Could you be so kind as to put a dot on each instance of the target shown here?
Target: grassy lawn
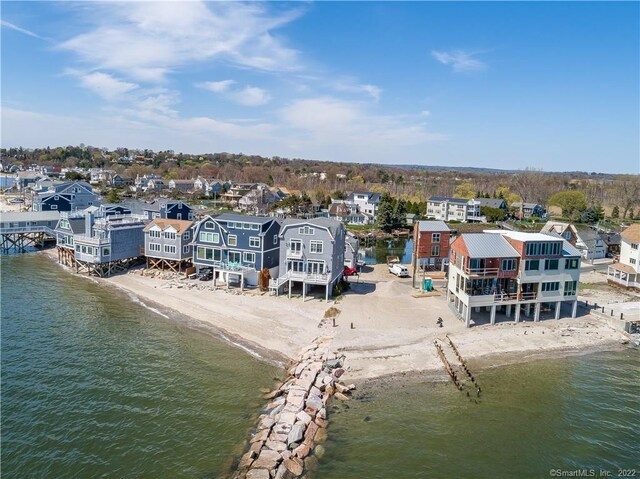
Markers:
(361, 227)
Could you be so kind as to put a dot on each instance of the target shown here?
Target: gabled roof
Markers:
(491, 202)
(243, 218)
(482, 245)
(526, 205)
(76, 225)
(156, 205)
(435, 226)
(330, 224)
(632, 233)
(555, 226)
(587, 235)
(179, 225)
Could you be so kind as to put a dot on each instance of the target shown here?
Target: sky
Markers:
(546, 85)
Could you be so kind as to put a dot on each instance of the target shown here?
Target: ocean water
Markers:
(95, 385)
(532, 420)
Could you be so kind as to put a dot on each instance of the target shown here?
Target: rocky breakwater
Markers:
(287, 440)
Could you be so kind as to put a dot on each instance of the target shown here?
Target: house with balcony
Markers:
(168, 209)
(237, 247)
(454, 209)
(583, 237)
(167, 244)
(311, 254)
(67, 196)
(510, 273)
(627, 271)
(431, 241)
(109, 244)
(366, 202)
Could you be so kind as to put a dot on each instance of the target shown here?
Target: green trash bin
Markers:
(427, 284)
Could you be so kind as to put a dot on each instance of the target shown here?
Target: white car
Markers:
(399, 270)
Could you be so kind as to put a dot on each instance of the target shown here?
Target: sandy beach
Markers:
(381, 328)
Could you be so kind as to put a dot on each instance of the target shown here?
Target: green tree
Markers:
(399, 213)
(113, 197)
(590, 216)
(464, 190)
(571, 202)
(615, 212)
(385, 218)
(492, 214)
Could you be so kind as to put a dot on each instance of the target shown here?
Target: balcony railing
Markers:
(310, 277)
(482, 271)
(293, 253)
(94, 240)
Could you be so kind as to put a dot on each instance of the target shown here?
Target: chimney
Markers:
(88, 223)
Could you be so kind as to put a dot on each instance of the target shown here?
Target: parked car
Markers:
(349, 271)
(399, 270)
(206, 275)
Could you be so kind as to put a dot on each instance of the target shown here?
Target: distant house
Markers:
(66, 197)
(586, 239)
(119, 181)
(530, 210)
(237, 190)
(311, 253)
(410, 218)
(627, 271)
(167, 244)
(454, 209)
(431, 244)
(366, 202)
(613, 242)
(26, 178)
(351, 248)
(168, 209)
(497, 203)
(213, 187)
(347, 213)
(258, 201)
(108, 245)
(183, 186)
(156, 184)
(236, 247)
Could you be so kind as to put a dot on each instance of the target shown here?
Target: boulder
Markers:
(275, 445)
(274, 436)
(296, 401)
(294, 465)
(265, 390)
(267, 460)
(277, 410)
(281, 428)
(319, 451)
(341, 388)
(329, 391)
(322, 422)
(297, 433)
(258, 474)
(287, 418)
(351, 387)
(294, 408)
(327, 380)
(246, 461)
(338, 372)
(260, 436)
(273, 394)
(302, 451)
(322, 413)
(314, 391)
(314, 402)
(283, 473)
(304, 417)
(332, 364)
(266, 422)
(321, 435)
(311, 463)
(255, 448)
(310, 433)
(341, 396)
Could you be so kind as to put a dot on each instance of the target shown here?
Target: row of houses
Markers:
(231, 248)
(469, 210)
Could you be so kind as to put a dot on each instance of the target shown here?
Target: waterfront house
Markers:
(529, 210)
(237, 247)
(26, 178)
(109, 244)
(583, 237)
(627, 271)
(67, 196)
(168, 209)
(454, 209)
(237, 190)
(183, 186)
(511, 271)
(167, 244)
(351, 249)
(366, 202)
(311, 254)
(431, 245)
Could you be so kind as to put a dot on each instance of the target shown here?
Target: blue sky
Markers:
(549, 85)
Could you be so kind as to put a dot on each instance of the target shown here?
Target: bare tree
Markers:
(524, 184)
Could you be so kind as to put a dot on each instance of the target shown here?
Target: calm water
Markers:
(581, 412)
(377, 253)
(94, 385)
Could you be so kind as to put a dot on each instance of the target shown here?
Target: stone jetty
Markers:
(287, 440)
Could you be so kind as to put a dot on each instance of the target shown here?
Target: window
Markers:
(435, 238)
(169, 248)
(246, 226)
(209, 225)
(254, 242)
(54, 207)
(106, 251)
(248, 257)
(552, 286)
(153, 234)
(295, 246)
(275, 239)
(550, 264)
(632, 261)
(231, 224)
(543, 249)
(570, 288)
(571, 263)
(185, 249)
(316, 247)
(634, 245)
(169, 235)
(532, 265)
(567, 235)
(255, 227)
(508, 265)
(154, 247)
(435, 250)
(233, 240)
(306, 230)
(234, 256)
(209, 237)
(209, 254)
(186, 235)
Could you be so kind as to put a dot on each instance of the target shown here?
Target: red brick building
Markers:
(431, 241)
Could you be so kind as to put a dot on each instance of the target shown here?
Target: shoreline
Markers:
(377, 348)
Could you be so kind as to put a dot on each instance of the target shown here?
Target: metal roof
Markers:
(450, 200)
(491, 202)
(432, 226)
(14, 216)
(331, 224)
(243, 218)
(481, 245)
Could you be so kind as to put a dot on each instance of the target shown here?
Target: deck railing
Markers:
(482, 271)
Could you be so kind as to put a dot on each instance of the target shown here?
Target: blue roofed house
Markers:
(237, 247)
(68, 196)
(311, 254)
(168, 209)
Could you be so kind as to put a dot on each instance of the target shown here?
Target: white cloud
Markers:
(459, 60)
(217, 86)
(148, 40)
(12, 26)
(251, 96)
(425, 113)
(106, 85)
